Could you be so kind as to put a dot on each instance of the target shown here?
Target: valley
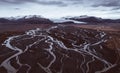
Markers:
(59, 49)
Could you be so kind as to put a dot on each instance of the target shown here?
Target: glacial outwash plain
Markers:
(68, 45)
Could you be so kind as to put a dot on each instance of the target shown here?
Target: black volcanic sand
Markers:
(60, 49)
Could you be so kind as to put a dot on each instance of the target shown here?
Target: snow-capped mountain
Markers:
(31, 19)
(24, 17)
(37, 19)
(92, 19)
(64, 20)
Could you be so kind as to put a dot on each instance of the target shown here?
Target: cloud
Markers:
(90, 3)
(58, 3)
(16, 8)
(15, 1)
(116, 8)
(107, 3)
(43, 2)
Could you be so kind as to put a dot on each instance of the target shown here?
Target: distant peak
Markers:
(33, 16)
(24, 17)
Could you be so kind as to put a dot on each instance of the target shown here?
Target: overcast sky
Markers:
(60, 8)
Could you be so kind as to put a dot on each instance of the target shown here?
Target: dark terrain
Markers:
(59, 48)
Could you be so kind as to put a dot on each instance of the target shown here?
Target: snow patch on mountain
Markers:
(63, 20)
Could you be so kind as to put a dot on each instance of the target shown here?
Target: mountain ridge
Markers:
(37, 19)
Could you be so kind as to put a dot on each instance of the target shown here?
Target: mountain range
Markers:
(26, 20)
(35, 19)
